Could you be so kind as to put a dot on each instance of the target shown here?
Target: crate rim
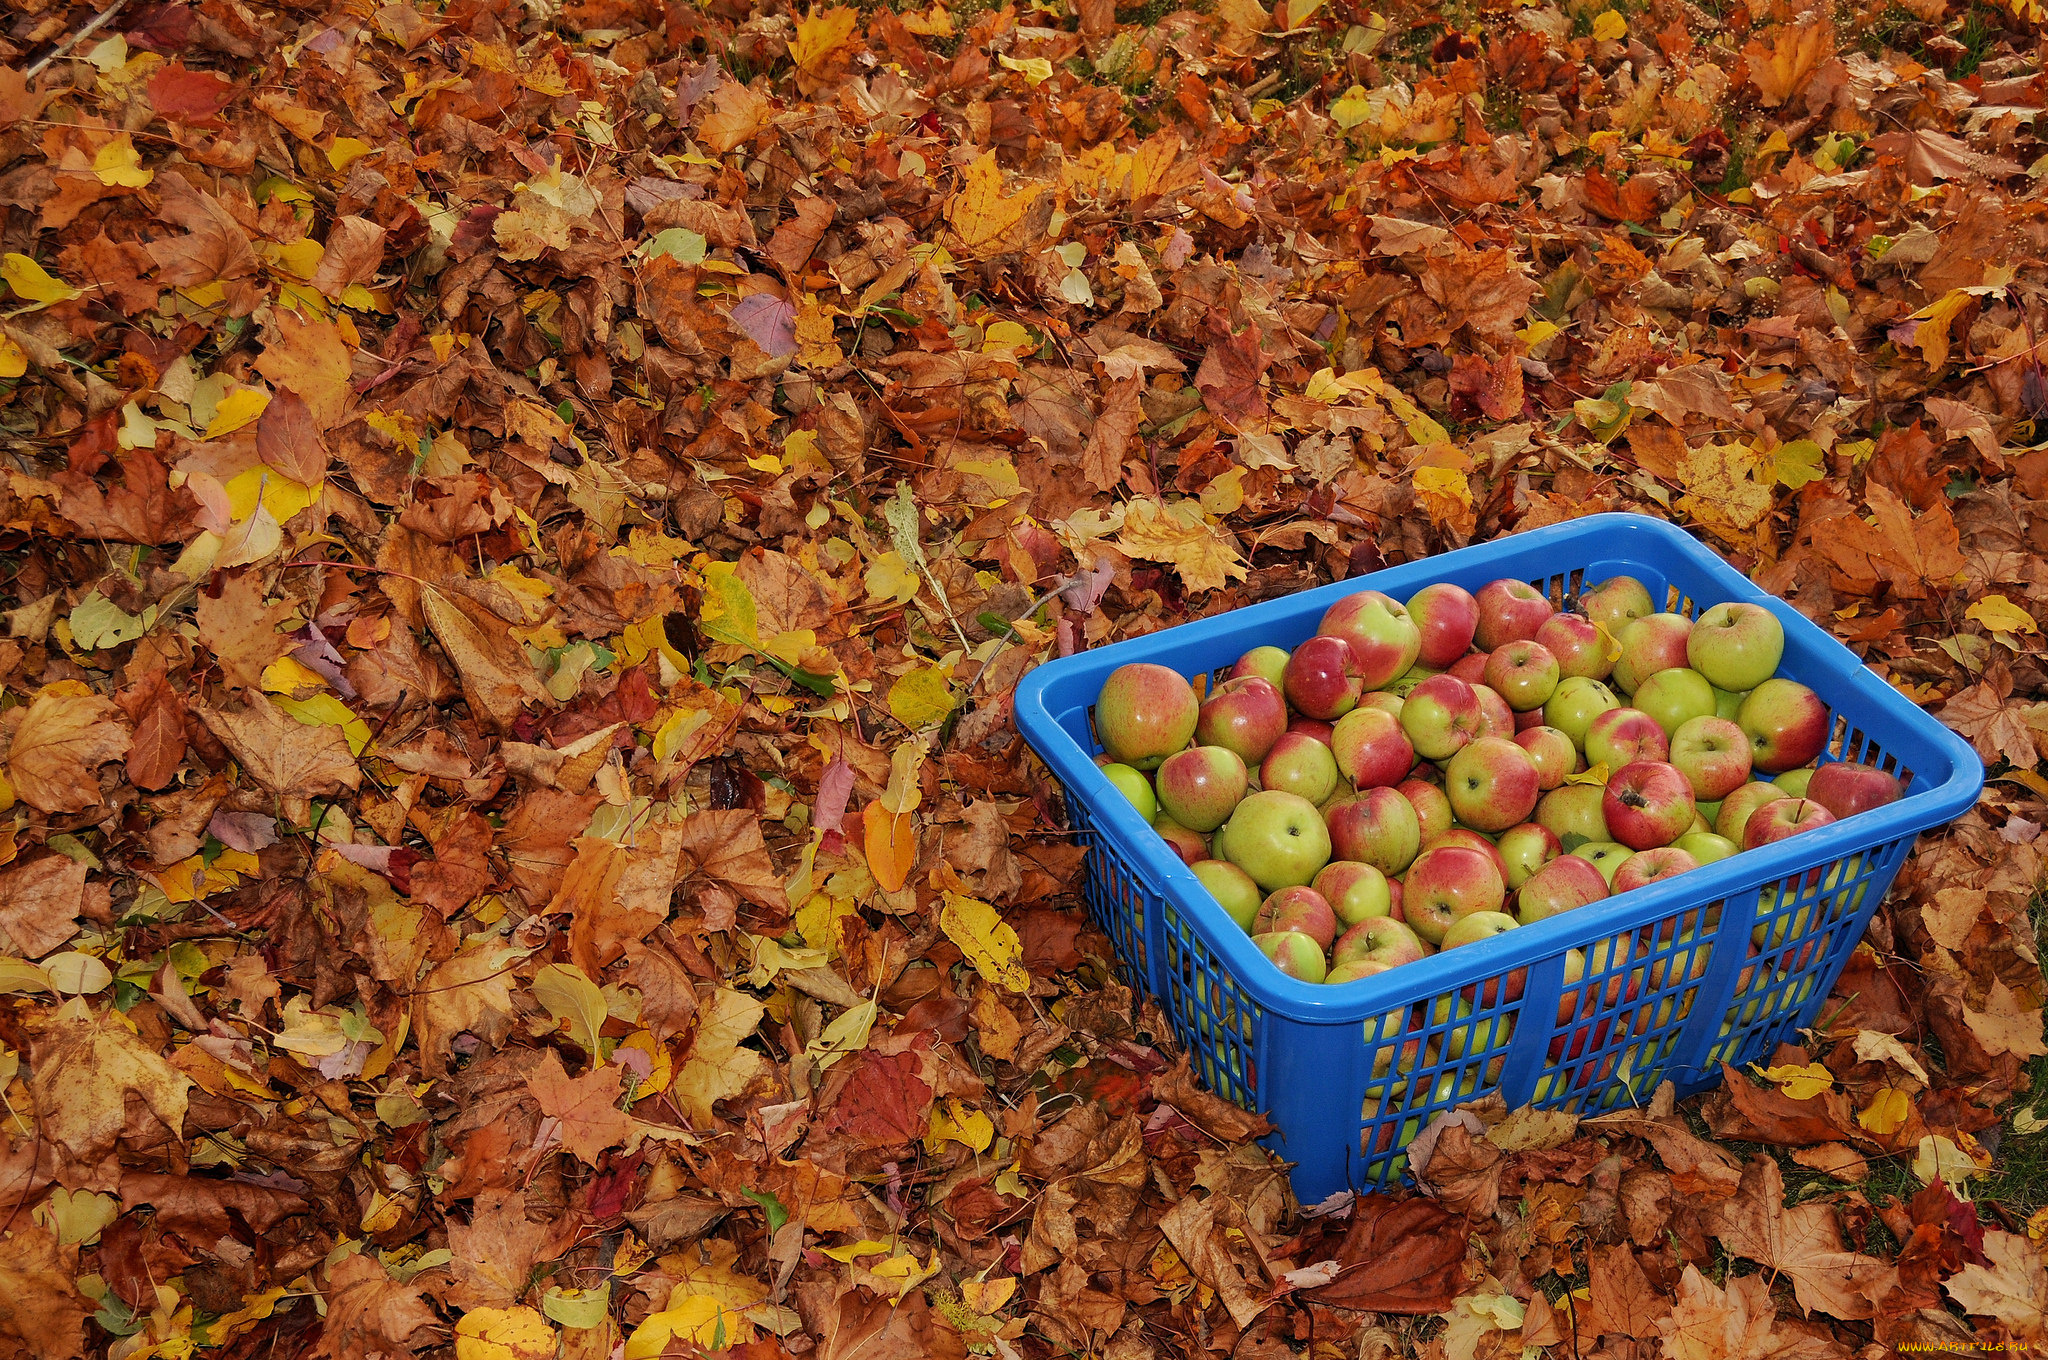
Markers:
(1751, 871)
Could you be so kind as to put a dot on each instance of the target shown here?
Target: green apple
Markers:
(1574, 704)
(1278, 838)
(1232, 888)
(1794, 782)
(1575, 810)
(1133, 785)
(1674, 697)
(1706, 847)
(1736, 645)
(1606, 856)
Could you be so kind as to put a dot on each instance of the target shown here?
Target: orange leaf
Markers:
(891, 841)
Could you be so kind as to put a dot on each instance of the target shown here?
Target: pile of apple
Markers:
(1424, 776)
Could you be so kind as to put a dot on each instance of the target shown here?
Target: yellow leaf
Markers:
(288, 676)
(1727, 488)
(1950, 1160)
(729, 613)
(890, 840)
(853, 1251)
(717, 1067)
(236, 409)
(2000, 615)
(1445, 494)
(1801, 1081)
(890, 580)
(985, 220)
(988, 1297)
(518, 1333)
(1035, 70)
(815, 347)
(1886, 1113)
(1204, 555)
(1930, 337)
(327, 710)
(31, 284)
(923, 697)
(961, 1124)
(1595, 776)
(696, 1321)
(572, 999)
(818, 36)
(1611, 26)
(932, 23)
(13, 358)
(1799, 462)
(119, 166)
(346, 151)
(986, 941)
(265, 485)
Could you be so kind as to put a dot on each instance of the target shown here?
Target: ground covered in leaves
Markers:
(521, 523)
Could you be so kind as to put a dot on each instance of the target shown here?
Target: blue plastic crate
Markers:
(1324, 1063)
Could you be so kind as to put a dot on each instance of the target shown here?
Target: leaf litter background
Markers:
(522, 523)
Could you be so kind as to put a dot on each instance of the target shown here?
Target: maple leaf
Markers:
(736, 114)
(1177, 533)
(989, 223)
(41, 1309)
(240, 630)
(1804, 1242)
(1229, 376)
(1993, 724)
(58, 744)
(1112, 432)
(310, 357)
(1727, 488)
(370, 1313)
(2003, 1026)
(726, 847)
(1916, 553)
(86, 1067)
(1783, 59)
(40, 902)
(470, 993)
(716, 1067)
(585, 1109)
(283, 754)
(2012, 1288)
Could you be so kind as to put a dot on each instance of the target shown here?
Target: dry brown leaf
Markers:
(282, 754)
(61, 740)
(40, 902)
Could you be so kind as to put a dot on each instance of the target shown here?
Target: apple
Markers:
(1278, 838)
(1232, 888)
(1376, 827)
(1847, 787)
(1737, 645)
(1378, 939)
(1621, 736)
(1648, 803)
(1144, 714)
(1787, 725)
(1385, 700)
(1300, 765)
(1446, 883)
(1294, 954)
(1323, 679)
(1509, 611)
(1464, 1034)
(1492, 784)
(1299, 908)
(1606, 856)
(1446, 617)
(1245, 715)
(1574, 705)
(1432, 808)
(1551, 752)
(1529, 719)
(1471, 840)
(1189, 844)
(1616, 603)
(1706, 846)
(1484, 925)
(1737, 806)
(1394, 894)
(1650, 866)
(1371, 749)
(1728, 703)
(1356, 892)
(1471, 668)
(1201, 786)
(1526, 848)
(1713, 754)
(1523, 673)
(1575, 810)
(1654, 642)
(1564, 884)
(1795, 782)
(1496, 719)
(1267, 663)
(1775, 821)
(1578, 645)
(1383, 639)
(1341, 973)
(1311, 727)
(1133, 785)
(1674, 697)
(1441, 715)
